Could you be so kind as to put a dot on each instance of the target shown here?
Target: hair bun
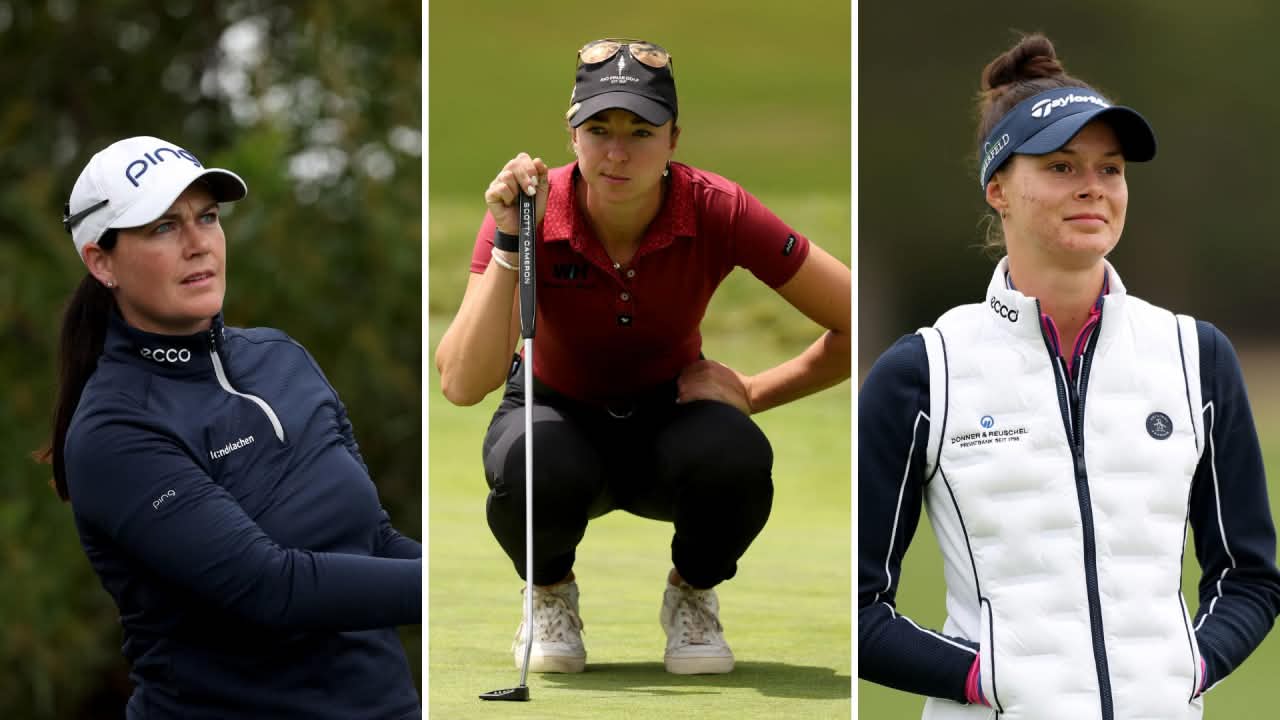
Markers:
(1032, 58)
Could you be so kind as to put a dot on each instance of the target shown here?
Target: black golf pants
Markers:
(703, 466)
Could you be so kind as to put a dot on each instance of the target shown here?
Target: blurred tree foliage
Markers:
(317, 105)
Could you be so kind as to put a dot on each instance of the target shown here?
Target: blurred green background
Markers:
(1199, 237)
(318, 106)
(764, 100)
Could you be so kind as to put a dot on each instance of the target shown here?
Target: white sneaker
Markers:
(557, 638)
(695, 640)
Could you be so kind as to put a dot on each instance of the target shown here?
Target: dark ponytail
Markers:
(84, 330)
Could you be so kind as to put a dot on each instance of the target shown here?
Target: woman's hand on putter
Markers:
(520, 175)
(710, 380)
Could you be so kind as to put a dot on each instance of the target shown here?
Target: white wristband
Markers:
(501, 263)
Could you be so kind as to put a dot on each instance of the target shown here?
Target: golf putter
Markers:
(527, 274)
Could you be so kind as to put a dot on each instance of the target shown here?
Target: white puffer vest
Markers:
(1063, 545)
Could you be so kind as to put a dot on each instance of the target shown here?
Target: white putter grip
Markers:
(528, 314)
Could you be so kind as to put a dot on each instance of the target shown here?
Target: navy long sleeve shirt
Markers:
(220, 496)
(1235, 539)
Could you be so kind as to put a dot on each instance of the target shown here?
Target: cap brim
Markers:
(1137, 140)
(649, 110)
(225, 185)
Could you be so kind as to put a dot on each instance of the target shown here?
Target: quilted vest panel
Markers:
(1065, 565)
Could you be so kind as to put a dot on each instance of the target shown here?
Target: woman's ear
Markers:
(996, 197)
(99, 264)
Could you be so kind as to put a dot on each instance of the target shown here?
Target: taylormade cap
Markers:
(1045, 122)
(621, 81)
(134, 181)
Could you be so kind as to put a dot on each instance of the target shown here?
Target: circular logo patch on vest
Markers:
(1159, 426)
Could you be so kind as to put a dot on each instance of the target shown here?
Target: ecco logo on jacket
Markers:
(166, 355)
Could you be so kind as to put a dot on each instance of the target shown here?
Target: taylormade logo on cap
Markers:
(1042, 108)
(1046, 121)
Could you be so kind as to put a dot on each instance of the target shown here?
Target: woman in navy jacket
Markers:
(213, 475)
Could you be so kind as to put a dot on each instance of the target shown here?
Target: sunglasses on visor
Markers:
(598, 51)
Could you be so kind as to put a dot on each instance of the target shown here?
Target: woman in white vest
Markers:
(1062, 434)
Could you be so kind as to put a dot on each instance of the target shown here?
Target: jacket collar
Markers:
(1020, 314)
(167, 355)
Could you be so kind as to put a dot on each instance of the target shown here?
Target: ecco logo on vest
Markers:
(1044, 107)
(137, 168)
(1004, 311)
(167, 355)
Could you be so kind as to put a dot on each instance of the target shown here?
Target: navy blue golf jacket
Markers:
(1239, 583)
(222, 500)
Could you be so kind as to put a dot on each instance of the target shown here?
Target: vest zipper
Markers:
(1071, 398)
(221, 374)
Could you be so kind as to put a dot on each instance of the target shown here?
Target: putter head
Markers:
(515, 694)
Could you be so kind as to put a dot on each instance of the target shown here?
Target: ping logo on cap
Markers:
(153, 158)
(1042, 108)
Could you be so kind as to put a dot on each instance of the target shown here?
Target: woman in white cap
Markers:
(1061, 434)
(629, 414)
(212, 472)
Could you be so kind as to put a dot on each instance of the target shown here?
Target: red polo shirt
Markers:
(606, 332)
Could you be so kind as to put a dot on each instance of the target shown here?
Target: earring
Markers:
(111, 284)
(666, 170)
(1004, 214)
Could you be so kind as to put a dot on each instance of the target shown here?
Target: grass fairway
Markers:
(1242, 696)
(787, 614)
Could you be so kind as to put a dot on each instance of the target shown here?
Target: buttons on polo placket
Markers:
(623, 305)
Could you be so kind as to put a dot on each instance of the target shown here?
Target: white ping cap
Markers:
(134, 181)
